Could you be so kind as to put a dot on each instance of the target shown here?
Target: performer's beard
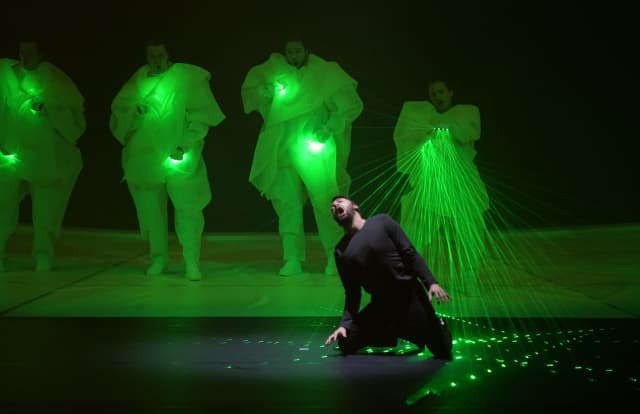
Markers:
(346, 221)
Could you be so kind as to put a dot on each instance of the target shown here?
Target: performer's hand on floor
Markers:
(341, 331)
(440, 294)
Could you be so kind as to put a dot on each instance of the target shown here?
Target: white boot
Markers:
(192, 271)
(331, 269)
(291, 268)
(158, 265)
(43, 263)
(293, 251)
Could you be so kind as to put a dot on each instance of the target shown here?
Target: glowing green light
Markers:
(177, 161)
(472, 377)
(316, 161)
(281, 89)
(9, 159)
(453, 384)
(176, 164)
(421, 394)
(489, 370)
(315, 146)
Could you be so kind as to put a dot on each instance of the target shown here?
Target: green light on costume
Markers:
(173, 161)
(8, 159)
(157, 99)
(285, 89)
(314, 158)
(444, 211)
(315, 161)
(175, 165)
(281, 88)
(438, 134)
(315, 146)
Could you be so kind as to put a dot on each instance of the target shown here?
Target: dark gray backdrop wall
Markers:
(555, 88)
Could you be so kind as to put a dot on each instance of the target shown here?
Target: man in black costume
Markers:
(376, 255)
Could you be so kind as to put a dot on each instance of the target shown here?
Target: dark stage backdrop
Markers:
(556, 89)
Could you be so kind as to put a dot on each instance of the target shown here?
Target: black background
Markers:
(556, 88)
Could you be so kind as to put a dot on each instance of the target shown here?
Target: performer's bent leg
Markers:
(371, 327)
(425, 328)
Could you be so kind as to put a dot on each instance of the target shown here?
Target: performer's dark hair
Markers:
(439, 80)
(295, 37)
(346, 198)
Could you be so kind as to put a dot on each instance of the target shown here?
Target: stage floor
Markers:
(97, 335)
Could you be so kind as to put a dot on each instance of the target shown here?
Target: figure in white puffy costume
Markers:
(443, 213)
(162, 116)
(41, 118)
(307, 105)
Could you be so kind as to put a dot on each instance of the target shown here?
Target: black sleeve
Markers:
(415, 264)
(352, 295)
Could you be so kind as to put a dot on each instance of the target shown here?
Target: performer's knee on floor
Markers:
(347, 346)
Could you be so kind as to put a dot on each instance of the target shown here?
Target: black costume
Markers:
(380, 258)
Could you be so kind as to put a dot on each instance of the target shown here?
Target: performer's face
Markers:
(343, 211)
(30, 55)
(157, 58)
(296, 54)
(441, 96)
